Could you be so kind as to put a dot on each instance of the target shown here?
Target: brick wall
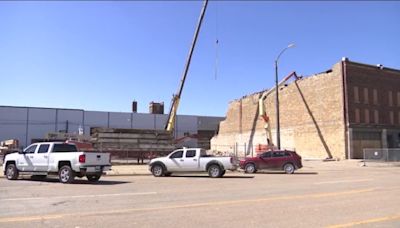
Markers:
(378, 96)
(311, 118)
(373, 107)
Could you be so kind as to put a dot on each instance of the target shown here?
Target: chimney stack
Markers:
(156, 108)
(134, 106)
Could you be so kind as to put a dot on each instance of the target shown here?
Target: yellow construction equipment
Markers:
(169, 126)
(262, 109)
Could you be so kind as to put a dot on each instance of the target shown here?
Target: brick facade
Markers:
(317, 117)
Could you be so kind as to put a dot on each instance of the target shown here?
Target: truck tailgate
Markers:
(93, 158)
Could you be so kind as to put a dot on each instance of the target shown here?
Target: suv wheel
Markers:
(289, 168)
(157, 170)
(250, 168)
(214, 171)
(12, 172)
(66, 175)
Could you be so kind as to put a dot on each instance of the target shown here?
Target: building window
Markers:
(398, 99)
(357, 115)
(356, 96)
(366, 96)
(376, 116)
(391, 117)
(366, 114)
(390, 96)
(375, 94)
(398, 118)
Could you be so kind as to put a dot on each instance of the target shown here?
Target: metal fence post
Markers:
(236, 149)
(364, 157)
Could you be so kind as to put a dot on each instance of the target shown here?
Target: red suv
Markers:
(285, 160)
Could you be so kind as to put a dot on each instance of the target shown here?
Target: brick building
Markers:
(334, 114)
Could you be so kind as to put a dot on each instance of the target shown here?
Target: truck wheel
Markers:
(214, 171)
(66, 175)
(12, 172)
(250, 168)
(289, 168)
(93, 178)
(157, 170)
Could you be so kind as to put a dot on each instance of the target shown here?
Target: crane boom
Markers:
(169, 127)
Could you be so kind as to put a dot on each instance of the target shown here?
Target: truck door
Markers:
(174, 163)
(25, 160)
(41, 158)
(190, 161)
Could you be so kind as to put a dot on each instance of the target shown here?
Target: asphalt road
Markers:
(317, 196)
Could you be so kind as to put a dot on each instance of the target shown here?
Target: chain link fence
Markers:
(382, 155)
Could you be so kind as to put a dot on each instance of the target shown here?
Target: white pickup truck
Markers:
(62, 159)
(192, 160)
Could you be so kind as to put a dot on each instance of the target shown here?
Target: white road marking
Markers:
(343, 181)
(82, 196)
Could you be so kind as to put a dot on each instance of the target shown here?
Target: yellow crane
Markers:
(169, 126)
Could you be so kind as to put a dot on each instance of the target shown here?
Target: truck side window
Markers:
(43, 148)
(64, 148)
(190, 153)
(177, 154)
(31, 149)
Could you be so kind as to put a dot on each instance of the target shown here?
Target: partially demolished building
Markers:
(334, 114)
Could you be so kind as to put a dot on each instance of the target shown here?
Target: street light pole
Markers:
(278, 129)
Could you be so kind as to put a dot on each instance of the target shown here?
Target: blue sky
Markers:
(102, 55)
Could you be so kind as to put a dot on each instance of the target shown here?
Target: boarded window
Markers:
(366, 114)
(390, 97)
(356, 95)
(366, 101)
(376, 116)
(357, 115)
(391, 117)
(375, 94)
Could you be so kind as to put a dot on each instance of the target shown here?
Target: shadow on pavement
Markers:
(283, 173)
(76, 181)
(224, 177)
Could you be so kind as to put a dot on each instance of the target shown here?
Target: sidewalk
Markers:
(128, 170)
(308, 165)
(122, 170)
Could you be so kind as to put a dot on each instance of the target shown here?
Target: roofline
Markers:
(27, 107)
(372, 66)
(82, 110)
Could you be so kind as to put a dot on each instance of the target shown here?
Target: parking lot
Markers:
(322, 194)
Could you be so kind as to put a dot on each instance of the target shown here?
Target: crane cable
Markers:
(216, 43)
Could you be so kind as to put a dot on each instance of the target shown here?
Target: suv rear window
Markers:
(64, 148)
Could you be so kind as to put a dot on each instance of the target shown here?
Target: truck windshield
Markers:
(64, 148)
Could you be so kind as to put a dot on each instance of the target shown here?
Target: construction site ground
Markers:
(322, 194)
